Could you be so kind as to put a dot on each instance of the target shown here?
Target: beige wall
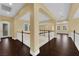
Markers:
(61, 24)
(46, 26)
(11, 21)
(74, 25)
(18, 26)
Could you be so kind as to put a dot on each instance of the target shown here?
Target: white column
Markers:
(34, 30)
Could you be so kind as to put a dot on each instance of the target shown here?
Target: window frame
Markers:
(58, 27)
(24, 27)
(64, 27)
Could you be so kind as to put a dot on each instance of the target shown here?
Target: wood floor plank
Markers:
(55, 47)
(10, 47)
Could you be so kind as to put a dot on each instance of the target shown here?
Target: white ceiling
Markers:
(76, 15)
(26, 16)
(15, 8)
(60, 10)
(41, 17)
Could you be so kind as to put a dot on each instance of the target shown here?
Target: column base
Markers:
(34, 53)
(14, 38)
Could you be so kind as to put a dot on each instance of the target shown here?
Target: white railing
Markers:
(76, 39)
(24, 38)
(44, 37)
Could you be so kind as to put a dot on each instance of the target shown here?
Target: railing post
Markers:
(74, 36)
(48, 35)
(22, 36)
(49, 41)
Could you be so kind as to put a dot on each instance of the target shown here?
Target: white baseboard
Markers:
(34, 53)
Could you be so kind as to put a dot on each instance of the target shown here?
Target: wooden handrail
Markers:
(29, 33)
(24, 32)
(76, 32)
(45, 31)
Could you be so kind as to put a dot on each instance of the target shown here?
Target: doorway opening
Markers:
(5, 29)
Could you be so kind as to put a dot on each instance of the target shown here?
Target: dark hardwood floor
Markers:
(10, 47)
(59, 47)
(55, 47)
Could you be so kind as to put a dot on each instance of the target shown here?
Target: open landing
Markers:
(55, 47)
(59, 47)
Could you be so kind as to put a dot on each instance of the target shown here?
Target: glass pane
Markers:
(58, 27)
(26, 27)
(64, 28)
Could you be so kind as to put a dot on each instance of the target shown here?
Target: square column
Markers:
(34, 30)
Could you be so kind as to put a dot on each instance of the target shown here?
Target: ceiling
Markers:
(76, 15)
(15, 7)
(41, 17)
(60, 10)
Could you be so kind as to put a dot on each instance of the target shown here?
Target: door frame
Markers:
(8, 23)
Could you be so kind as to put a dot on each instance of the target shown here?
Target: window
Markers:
(26, 27)
(5, 29)
(64, 28)
(58, 27)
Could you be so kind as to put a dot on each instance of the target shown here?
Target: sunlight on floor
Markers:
(6, 43)
(62, 41)
(65, 41)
